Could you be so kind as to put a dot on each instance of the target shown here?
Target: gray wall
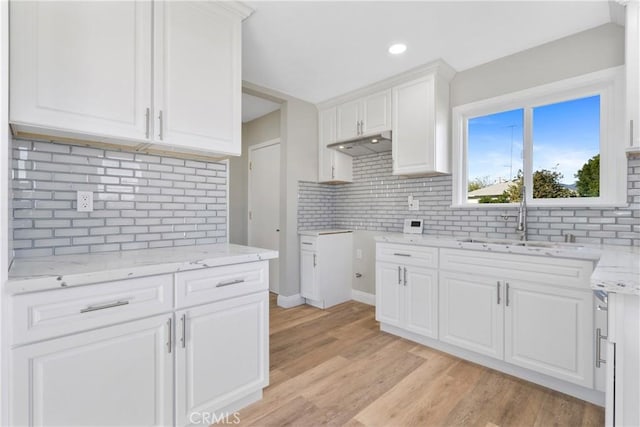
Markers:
(592, 50)
(262, 129)
(140, 201)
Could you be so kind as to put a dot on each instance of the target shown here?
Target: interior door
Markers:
(264, 202)
(471, 313)
(118, 376)
(197, 78)
(222, 354)
(82, 66)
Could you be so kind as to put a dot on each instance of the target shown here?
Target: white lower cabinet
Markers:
(203, 353)
(512, 311)
(407, 297)
(549, 330)
(216, 354)
(119, 375)
(471, 313)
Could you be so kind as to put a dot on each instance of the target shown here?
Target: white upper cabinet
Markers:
(81, 67)
(632, 63)
(420, 137)
(84, 70)
(198, 84)
(333, 166)
(365, 116)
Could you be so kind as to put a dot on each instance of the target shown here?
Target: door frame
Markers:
(251, 150)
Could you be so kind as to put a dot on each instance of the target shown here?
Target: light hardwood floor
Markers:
(335, 367)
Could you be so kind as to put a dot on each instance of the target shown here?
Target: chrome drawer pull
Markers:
(399, 254)
(307, 243)
(599, 338)
(229, 283)
(103, 306)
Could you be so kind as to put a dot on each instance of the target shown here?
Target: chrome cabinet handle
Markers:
(498, 292)
(506, 293)
(333, 172)
(405, 276)
(183, 339)
(315, 260)
(103, 306)
(601, 308)
(170, 339)
(304, 243)
(400, 254)
(229, 283)
(147, 124)
(599, 338)
(160, 132)
(399, 275)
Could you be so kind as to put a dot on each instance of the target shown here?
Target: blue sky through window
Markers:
(565, 136)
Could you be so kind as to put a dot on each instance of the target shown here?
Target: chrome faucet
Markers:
(522, 215)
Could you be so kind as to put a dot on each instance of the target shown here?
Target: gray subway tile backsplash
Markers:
(376, 200)
(132, 193)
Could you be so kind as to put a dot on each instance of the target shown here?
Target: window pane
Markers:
(566, 149)
(495, 157)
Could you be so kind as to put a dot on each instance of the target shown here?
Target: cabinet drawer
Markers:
(217, 283)
(308, 243)
(421, 256)
(43, 315)
(538, 269)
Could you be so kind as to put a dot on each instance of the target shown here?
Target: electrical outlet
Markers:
(414, 204)
(85, 201)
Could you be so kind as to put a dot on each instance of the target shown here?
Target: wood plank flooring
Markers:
(335, 367)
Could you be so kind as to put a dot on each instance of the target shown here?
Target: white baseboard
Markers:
(290, 301)
(363, 297)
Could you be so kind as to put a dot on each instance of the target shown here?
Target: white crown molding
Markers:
(237, 7)
(439, 67)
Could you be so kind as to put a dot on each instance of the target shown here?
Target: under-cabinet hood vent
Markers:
(362, 146)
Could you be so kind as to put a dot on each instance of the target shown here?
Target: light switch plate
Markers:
(85, 201)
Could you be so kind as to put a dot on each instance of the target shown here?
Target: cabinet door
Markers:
(327, 127)
(222, 354)
(197, 76)
(121, 375)
(81, 67)
(343, 167)
(549, 330)
(414, 127)
(376, 113)
(348, 115)
(421, 301)
(632, 68)
(309, 275)
(471, 313)
(389, 293)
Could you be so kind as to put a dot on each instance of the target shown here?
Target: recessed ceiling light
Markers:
(374, 141)
(397, 49)
(341, 147)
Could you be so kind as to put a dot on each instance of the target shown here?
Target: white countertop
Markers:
(617, 268)
(323, 232)
(54, 272)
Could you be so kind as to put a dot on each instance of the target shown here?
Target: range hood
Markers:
(360, 146)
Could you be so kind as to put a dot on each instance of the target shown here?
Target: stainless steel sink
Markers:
(527, 243)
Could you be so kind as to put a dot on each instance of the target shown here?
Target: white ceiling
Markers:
(254, 107)
(315, 50)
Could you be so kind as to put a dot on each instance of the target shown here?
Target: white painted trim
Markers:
(363, 297)
(606, 83)
(290, 301)
(590, 395)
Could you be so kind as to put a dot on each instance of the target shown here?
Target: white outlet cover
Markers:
(85, 201)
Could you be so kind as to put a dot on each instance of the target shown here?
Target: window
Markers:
(559, 145)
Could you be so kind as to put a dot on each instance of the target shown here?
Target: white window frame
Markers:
(608, 84)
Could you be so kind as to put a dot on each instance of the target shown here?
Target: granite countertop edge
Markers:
(65, 271)
(617, 268)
